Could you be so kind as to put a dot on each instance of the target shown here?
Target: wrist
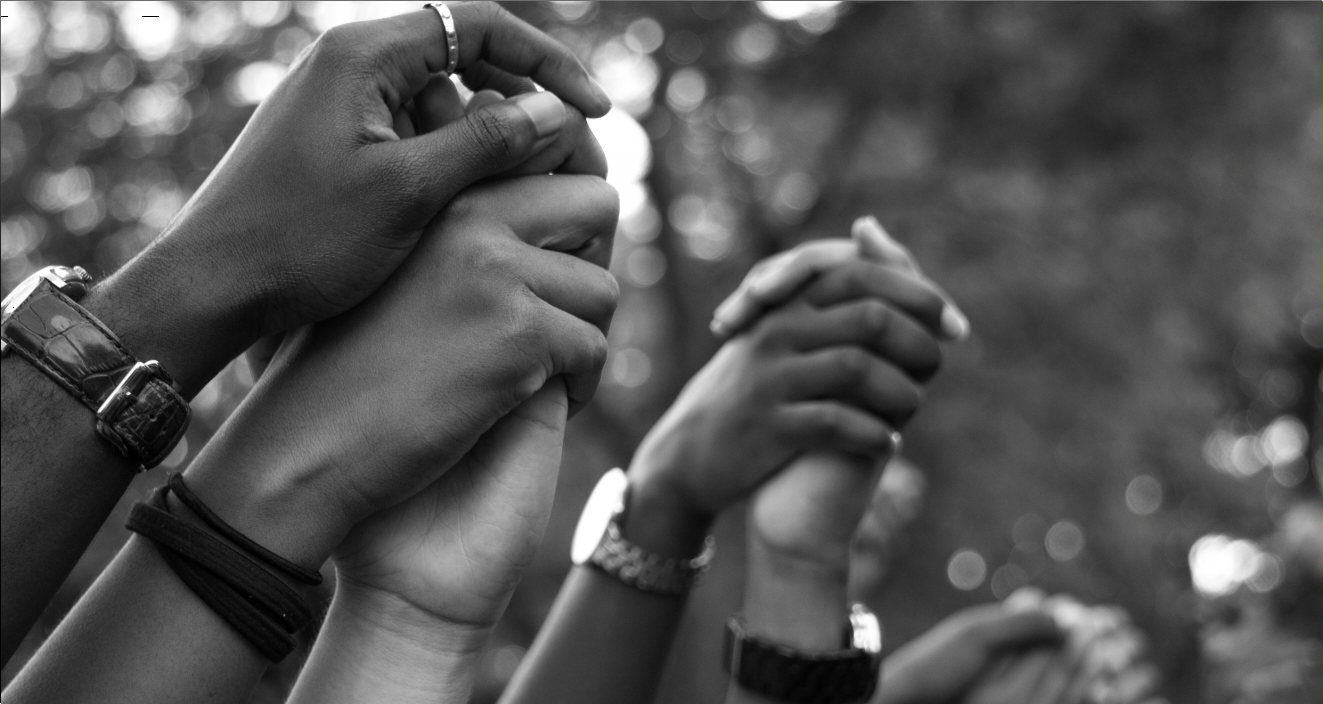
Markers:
(272, 497)
(180, 309)
(661, 519)
(407, 624)
(374, 646)
(795, 602)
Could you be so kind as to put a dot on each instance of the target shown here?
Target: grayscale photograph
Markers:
(787, 352)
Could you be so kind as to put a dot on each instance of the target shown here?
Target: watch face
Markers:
(866, 631)
(607, 499)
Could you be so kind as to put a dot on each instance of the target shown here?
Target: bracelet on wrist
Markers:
(233, 582)
(598, 542)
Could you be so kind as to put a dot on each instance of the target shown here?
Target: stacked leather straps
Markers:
(237, 583)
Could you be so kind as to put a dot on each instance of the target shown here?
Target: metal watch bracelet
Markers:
(648, 571)
(598, 542)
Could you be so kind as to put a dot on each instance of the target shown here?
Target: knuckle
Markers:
(606, 203)
(906, 404)
(489, 11)
(598, 349)
(608, 292)
(490, 131)
(827, 421)
(495, 264)
(854, 364)
(929, 361)
(876, 318)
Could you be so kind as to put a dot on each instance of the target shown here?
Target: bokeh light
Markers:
(1220, 564)
(1143, 495)
(1064, 541)
(966, 570)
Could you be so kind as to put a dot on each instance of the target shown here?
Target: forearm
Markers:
(60, 477)
(606, 641)
(60, 481)
(139, 634)
(376, 647)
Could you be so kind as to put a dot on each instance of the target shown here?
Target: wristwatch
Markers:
(841, 676)
(137, 406)
(598, 542)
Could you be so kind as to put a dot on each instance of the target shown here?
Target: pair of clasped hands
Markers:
(437, 270)
(452, 259)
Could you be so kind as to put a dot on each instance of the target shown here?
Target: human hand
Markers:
(773, 280)
(946, 661)
(456, 550)
(1098, 658)
(360, 412)
(334, 178)
(811, 510)
(839, 367)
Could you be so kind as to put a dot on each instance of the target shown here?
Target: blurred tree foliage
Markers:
(1125, 199)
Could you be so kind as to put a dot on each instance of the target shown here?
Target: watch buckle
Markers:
(122, 396)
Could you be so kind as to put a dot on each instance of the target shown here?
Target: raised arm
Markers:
(355, 415)
(321, 198)
(420, 586)
(834, 368)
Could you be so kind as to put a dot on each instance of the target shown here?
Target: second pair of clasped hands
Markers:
(460, 302)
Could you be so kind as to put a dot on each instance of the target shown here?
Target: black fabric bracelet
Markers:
(254, 602)
(303, 575)
(270, 639)
(229, 565)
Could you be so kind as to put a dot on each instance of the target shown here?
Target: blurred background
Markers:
(1124, 198)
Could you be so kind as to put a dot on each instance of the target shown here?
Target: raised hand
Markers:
(360, 412)
(1097, 659)
(336, 175)
(773, 280)
(945, 662)
(420, 585)
(836, 368)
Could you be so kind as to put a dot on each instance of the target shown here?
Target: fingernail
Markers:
(599, 91)
(544, 109)
(955, 326)
(876, 243)
(719, 328)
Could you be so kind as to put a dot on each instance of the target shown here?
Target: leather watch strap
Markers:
(837, 677)
(137, 406)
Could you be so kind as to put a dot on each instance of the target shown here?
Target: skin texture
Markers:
(322, 197)
(834, 368)
(421, 585)
(802, 521)
(477, 313)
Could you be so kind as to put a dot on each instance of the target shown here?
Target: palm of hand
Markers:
(810, 510)
(458, 548)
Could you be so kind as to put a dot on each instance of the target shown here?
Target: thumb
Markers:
(484, 142)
